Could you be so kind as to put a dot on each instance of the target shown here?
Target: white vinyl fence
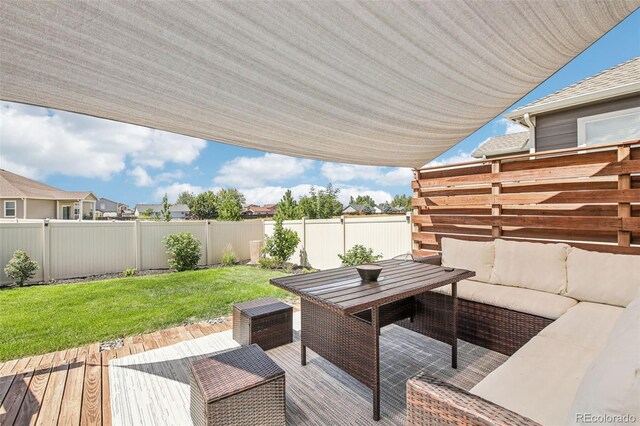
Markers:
(324, 239)
(69, 249)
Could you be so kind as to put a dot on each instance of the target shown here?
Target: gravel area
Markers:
(112, 344)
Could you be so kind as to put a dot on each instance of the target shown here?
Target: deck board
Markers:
(319, 393)
(71, 386)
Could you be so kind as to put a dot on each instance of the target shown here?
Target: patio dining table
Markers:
(342, 314)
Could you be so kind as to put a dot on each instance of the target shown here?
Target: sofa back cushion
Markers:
(536, 266)
(611, 384)
(472, 255)
(608, 278)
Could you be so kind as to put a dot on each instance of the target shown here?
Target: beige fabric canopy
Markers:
(382, 83)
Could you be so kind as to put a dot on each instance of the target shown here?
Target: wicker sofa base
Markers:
(498, 329)
(433, 402)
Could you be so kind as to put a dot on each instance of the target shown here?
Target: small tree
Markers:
(204, 205)
(165, 214)
(147, 213)
(287, 208)
(186, 197)
(358, 255)
(183, 250)
(21, 267)
(229, 204)
(282, 244)
(366, 200)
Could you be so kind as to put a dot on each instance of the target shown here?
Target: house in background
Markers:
(24, 198)
(177, 211)
(109, 209)
(254, 211)
(361, 209)
(598, 110)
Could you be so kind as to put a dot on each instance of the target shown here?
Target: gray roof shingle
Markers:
(503, 145)
(621, 75)
(16, 186)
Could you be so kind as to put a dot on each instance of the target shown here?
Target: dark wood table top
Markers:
(342, 290)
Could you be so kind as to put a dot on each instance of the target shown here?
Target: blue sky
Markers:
(133, 165)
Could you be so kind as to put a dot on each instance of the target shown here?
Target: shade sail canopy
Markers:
(381, 83)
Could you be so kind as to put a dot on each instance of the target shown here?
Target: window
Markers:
(610, 127)
(10, 208)
(76, 211)
(102, 206)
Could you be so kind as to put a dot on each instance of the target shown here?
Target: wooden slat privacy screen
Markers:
(587, 197)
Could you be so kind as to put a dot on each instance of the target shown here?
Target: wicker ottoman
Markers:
(266, 322)
(240, 387)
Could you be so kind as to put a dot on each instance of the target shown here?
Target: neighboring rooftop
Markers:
(158, 207)
(512, 143)
(616, 81)
(16, 186)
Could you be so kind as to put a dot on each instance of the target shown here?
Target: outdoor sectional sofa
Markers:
(569, 318)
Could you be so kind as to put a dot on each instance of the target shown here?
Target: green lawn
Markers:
(40, 319)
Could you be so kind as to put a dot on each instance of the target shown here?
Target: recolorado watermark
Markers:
(588, 418)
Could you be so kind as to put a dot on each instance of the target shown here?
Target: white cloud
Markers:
(247, 172)
(273, 194)
(140, 176)
(37, 142)
(511, 127)
(338, 172)
(460, 157)
(398, 176)
(175, 189)
(348, 191)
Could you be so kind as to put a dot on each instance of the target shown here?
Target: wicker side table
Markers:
(240, 387)
(266, 322)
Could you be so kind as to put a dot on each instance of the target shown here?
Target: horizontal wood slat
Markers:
(554, 197)
(562, 172)
(599, 223)
(572, 197)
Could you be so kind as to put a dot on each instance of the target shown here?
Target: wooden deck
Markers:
(71, 387)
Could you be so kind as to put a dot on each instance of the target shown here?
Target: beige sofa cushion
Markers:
(586, 324)
(608, 278)
(611, 385)
(539, 381)
(532, 302)
(535, 266)
(472, 255)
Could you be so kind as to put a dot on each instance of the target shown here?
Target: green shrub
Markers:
(268, 263)
(183, 250)
(358, 255)
(129, 272)
(229, 256)
(21, 267)
(282, 244)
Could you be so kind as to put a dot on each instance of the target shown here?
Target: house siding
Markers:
(41, 209)
(558, 130)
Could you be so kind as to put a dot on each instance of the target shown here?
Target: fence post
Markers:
(624, 209)
(343, 222)
(496, 208)
(46, 251)
(304, 234)
(137, 245)
(206, 242)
